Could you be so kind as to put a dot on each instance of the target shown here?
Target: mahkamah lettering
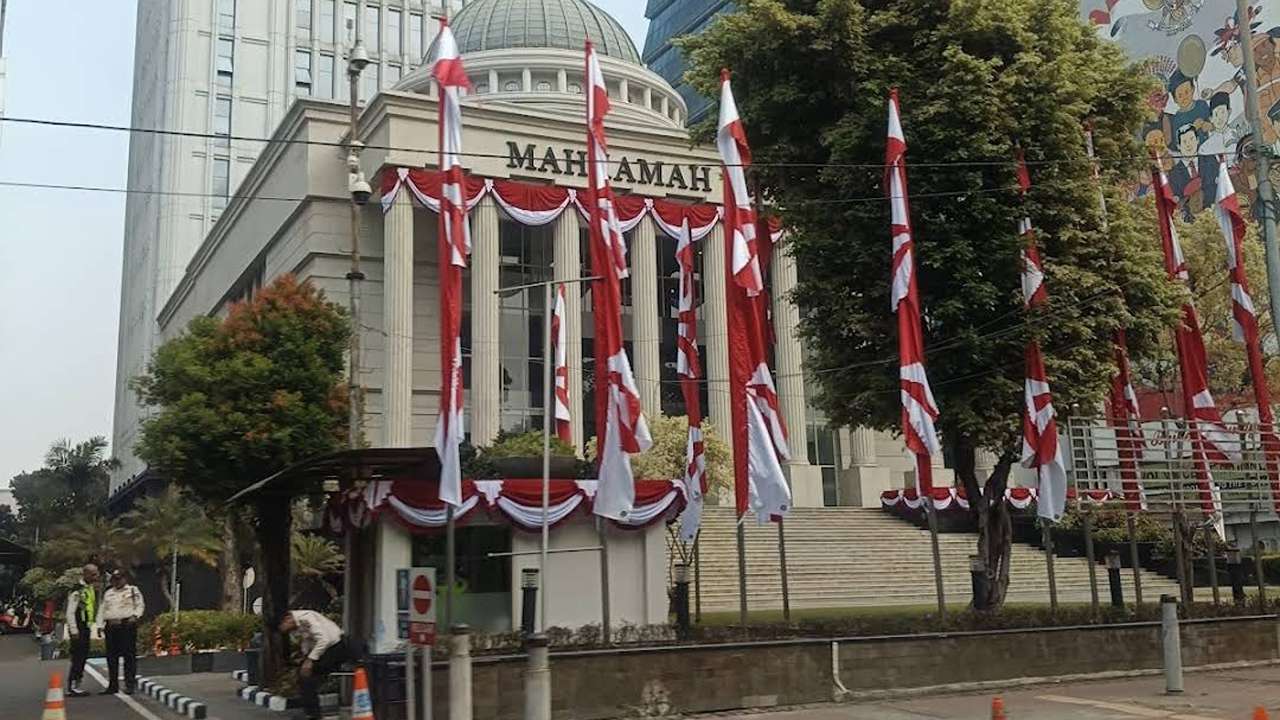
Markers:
(634, 171)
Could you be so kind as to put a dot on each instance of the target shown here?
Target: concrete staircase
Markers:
(850, 557)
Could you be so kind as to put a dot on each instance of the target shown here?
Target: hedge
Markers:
(201, 630)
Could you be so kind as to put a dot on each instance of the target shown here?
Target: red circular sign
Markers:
(422, 595)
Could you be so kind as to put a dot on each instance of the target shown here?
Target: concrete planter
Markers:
(202, 662)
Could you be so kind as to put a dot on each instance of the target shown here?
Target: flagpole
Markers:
(742, 572)
(924, 478)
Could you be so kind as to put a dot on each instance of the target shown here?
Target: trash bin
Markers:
(252, 657)
(386, 685)
(48, 648)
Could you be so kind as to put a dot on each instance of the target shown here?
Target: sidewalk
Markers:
(217, 691)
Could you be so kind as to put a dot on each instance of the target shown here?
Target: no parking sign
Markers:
(422, 606)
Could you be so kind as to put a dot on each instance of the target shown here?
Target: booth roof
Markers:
(320, 473)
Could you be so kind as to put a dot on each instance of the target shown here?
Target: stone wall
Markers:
(656, 682)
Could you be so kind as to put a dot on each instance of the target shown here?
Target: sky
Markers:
(60, 251)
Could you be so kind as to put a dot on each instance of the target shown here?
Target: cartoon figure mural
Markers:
(1197, 118)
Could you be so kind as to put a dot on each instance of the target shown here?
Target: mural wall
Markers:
(1197, 119)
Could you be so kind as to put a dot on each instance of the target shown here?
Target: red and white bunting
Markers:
(620, 425)
(454, 248)
(919, 409)
(1210, 440)
(1126, 418)
(560, 346)
(689, 368)
(1245, 321)
(759, 437)
(1040, 448)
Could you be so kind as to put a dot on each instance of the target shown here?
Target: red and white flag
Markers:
(621, 429)
(1245, 321)
(1125, 418)
(919, 409)
(689, 368)
(1040, 448)
(560, 341)
(1210, 439)
(454, 249)
(759, 436)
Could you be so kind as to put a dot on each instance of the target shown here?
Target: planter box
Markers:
(562, 468)
(202, 662)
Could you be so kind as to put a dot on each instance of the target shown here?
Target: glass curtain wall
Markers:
(525, 256)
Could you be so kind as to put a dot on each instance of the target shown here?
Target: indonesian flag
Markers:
(1040, 448)
(1210, 440)
(759, 437)
(620, 425)
(454, 248)
(1245, 321)
(689, 368)
(560, 339)
(1125, 417)
(919, 409)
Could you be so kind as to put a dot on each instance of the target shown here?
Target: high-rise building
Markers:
(3, 9)
(229, 69)
(670, 19)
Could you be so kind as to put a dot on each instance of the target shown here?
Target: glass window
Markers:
(226, 17)
(225, 61)
(222, 121)
(482, 583)
(824, 452)
(393, 32)
(349, 21)
(669, 317)
(525, 256)
(302, 71)
(369, 83)
(393, 75)
(372, 19)
(303, 16)
(221, 182)
(324, 30)
(415, 36)
(324, 76)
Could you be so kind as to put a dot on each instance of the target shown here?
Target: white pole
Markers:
(1172, 644)
(410, 696)
(173, 582)
(548, 410)
(428, 711)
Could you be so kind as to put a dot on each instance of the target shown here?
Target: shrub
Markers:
(202, 630)
(526, 445)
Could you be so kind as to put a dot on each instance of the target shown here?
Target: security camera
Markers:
(358, 60)
(359, 188)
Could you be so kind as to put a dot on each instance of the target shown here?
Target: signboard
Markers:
(422, 606)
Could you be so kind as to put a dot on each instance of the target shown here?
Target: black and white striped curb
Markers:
(180, 704)
(279, 703)
(240, 676)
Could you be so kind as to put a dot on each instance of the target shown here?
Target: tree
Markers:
(241, 398)
(977, 78)
(9, 526)
(170, 523)
(73, 481)
(315, 558)
(86, 539)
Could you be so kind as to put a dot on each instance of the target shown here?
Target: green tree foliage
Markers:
(977, 78)
(73, 481)
(160, 525)
(665, 460)
(315, 559)
(87, 539)
(9, 526)
(240, 398)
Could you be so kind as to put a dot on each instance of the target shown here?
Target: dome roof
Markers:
(565, 24)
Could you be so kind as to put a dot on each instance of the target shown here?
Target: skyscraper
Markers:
(228, 69)
(670, 19)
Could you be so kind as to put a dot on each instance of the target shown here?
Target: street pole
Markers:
(174, 581)
(1262, 155)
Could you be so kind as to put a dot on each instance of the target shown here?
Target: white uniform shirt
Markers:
(315, 633)
(123, 604)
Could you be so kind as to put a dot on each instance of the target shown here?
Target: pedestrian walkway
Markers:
(217, 692)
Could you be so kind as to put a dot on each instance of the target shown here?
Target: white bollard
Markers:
(537, 680)
(1172, 643)
(460, 673)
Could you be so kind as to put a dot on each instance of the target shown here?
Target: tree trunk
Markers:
(273, 527)
(166, 582)
(229, 566)
(991, 513)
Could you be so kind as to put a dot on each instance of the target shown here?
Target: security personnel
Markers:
(122, 608)
(82, 614)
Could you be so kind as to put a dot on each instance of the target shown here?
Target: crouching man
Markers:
(324, 650)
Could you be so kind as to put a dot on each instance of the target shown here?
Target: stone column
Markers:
(862, 447)
(568, 266)
(715, 310)
(788, 353)
(397, 323)
(646, 331)
(486, 383)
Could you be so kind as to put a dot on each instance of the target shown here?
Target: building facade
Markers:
(229, 69)
(670, 19)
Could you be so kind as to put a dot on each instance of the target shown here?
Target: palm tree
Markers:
(87, 538)
(170, 523)
(316, 558)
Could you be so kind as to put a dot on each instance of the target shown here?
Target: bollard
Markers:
(529, 600)
(978, 579)
(1172, 643)
(997, 709)
(1113, 579)
(537, 679)
(682, 601)
(460, 673)
(1235, 572)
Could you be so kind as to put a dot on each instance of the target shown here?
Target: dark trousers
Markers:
(79, 654)
(331, 660)
(122, 642)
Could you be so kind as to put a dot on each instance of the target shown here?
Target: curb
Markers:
(240, 676)
(181, 704)
(278, 703)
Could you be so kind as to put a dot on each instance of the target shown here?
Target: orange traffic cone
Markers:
(361, 704)
(997, 708)
(174, 647)
(157, 644)
(1259, 713)
(53, 706)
